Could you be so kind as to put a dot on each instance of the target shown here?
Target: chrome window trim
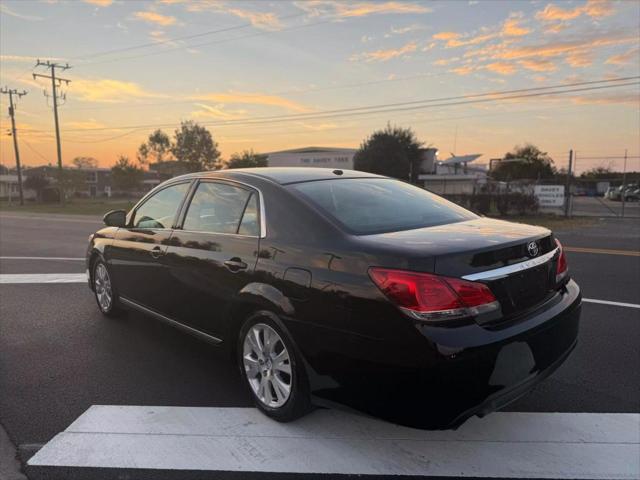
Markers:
(509, 269)
(263, 221)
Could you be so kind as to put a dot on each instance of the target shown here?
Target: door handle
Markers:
(235, 264)
(155, 252)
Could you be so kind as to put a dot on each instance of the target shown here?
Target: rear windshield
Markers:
(377, 205)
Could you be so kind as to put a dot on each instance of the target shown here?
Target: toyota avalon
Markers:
(337, 287)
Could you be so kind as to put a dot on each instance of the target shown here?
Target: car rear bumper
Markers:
(468, 370)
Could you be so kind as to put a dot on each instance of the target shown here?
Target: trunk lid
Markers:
(472, 247)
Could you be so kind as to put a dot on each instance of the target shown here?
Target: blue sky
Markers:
(280, 58)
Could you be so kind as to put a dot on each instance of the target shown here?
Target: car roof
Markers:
(285, 175)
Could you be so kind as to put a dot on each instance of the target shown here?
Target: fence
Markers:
(577, 197)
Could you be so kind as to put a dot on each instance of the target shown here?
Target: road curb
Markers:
(10, 468)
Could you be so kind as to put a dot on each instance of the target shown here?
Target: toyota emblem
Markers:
(533, 249)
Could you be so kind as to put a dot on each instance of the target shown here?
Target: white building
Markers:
(328, 157)
(9, 188)
(453, 175)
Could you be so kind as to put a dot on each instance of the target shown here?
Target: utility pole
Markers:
(55, 83)
(14, 134)
(624, 180)
(567, 194)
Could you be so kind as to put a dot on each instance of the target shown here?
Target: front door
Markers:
(136, 254)
(214, 254)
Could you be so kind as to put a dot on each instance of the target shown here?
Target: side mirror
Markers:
(115, 218)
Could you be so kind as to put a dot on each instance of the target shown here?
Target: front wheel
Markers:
(104, 290)
(272, 369)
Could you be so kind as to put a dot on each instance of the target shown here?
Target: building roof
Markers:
(315, 150)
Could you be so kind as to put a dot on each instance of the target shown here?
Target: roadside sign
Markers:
(549, 196)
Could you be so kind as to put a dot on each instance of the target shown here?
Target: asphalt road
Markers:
(58, 355)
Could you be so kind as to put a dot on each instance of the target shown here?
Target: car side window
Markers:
(159, 210)
(217, 207)
(249, 224)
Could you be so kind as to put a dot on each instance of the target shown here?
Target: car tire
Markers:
(272, 368)
(104, 290)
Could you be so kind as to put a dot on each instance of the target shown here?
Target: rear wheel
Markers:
(104, 290)
(272, 369)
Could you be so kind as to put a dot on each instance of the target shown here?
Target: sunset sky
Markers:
(140, 65)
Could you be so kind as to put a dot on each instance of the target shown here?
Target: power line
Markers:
(284, 92)
(215, 42)
(174, 39)
(401, 106)
(36, 151)
(619, 157)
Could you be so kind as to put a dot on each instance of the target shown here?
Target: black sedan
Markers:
(336, 287)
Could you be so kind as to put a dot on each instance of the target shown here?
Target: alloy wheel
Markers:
(267, 365)
(102, 284)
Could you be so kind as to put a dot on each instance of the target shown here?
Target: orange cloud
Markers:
(99, 3)
(446, 36)
(512, 28)
(267, 21)
(82, 125)
(359, 9)
(552, 49)
(538, 65)
(624, 58)
(593, 8)
(384, 55)
(632, 99)
(218, 111)
(579, 59)
(108, 90)
(253, 99)
(464, 70)
(503, 68)
(153, 17)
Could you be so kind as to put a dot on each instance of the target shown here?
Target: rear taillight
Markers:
(425, 296)
(562, 269)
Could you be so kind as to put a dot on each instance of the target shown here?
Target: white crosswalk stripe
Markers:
(21, 278)
(502, 445)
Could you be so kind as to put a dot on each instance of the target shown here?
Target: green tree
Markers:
(598, 172)
(524, 162)
(126, 175)
(37, 183)
(195, 146)
(247, 159)
(70, 181)
(85, 162)
(394, 152)
(156, 149)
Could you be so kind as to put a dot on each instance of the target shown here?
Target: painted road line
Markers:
(79, 259)
(188, 439)
(607, 302)
(18, 278)
(604, 251)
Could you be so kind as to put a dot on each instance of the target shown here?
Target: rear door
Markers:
(213, 255)
(136, 253)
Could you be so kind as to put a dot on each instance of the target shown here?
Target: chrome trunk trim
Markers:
(510, 269)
